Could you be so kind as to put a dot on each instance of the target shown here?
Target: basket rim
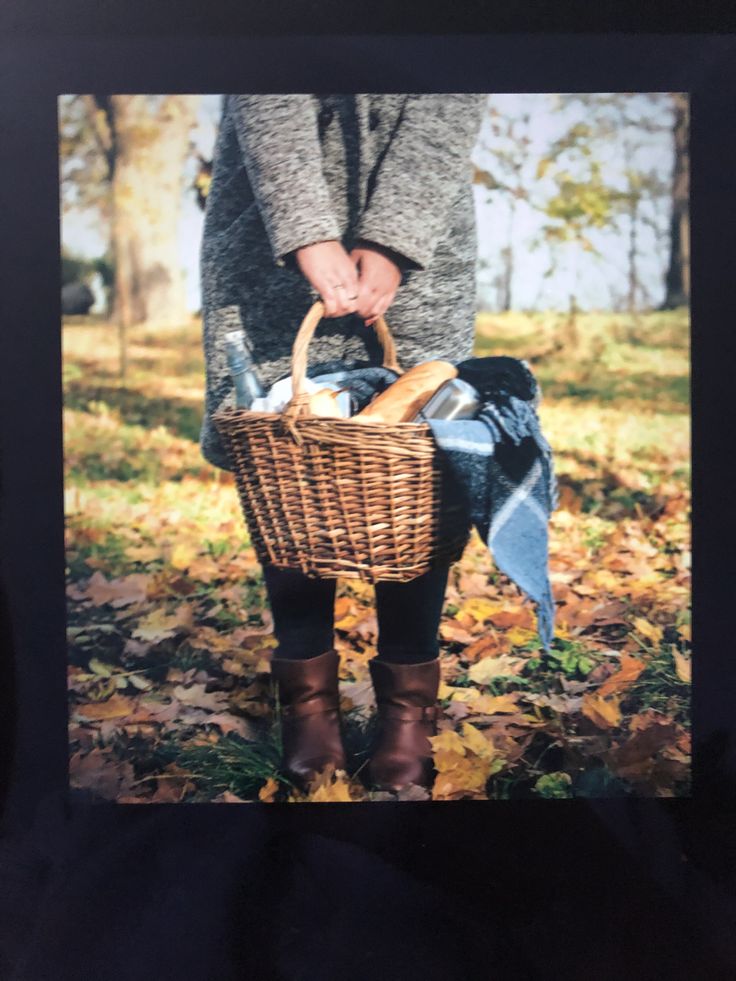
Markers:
(241, 411)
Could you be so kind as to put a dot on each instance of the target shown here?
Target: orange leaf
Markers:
(116, 707)
(629, 670)
(268, 790)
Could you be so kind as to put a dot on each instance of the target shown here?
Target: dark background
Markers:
(581, 888)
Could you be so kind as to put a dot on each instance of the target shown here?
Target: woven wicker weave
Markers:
(338, 498)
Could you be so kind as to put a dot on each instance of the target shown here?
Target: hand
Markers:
(330, 271)
(379, 280)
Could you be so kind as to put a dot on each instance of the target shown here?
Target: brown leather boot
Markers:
(310, 715)
(406, 697)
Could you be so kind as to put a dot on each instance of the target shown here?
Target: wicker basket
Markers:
(337, 498)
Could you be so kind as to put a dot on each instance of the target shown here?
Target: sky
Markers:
(595, 282)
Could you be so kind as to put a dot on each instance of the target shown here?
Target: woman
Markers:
(365, 201)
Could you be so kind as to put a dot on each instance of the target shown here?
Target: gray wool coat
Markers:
(290, 170)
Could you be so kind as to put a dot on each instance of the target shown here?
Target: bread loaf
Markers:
(324, 403)
(402, 400)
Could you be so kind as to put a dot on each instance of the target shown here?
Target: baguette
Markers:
(402, 400)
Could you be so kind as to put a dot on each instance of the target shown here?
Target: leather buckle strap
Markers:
(410, 713)
(310, 707)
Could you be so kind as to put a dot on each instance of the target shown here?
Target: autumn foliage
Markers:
(169, 635)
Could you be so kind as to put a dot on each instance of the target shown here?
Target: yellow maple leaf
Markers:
(475, 741)
(448, 740)
(447, 759)
(336, 791)
(649, 630)
(604, 712)
(481, 609)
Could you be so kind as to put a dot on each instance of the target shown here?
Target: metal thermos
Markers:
(454, 399)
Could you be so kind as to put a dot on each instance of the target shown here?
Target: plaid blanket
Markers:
(503, 465)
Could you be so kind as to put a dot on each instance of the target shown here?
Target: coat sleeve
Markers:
(279, 141)
(424, 170)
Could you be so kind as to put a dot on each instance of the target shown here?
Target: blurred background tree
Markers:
(596, 178)
(124, 156)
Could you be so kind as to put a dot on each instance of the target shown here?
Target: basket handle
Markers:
(304, 336)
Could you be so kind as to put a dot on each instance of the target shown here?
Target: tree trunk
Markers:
(633, 273)
(151, 143)
(677, 282)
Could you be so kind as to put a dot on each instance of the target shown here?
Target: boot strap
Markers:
(312, 706)
(410, 713)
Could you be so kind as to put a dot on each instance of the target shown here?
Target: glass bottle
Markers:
(245, 380)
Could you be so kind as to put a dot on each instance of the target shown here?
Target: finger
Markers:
(379, 308)
(350, 278)
(366, 299)
(342, 303)
(329, 299)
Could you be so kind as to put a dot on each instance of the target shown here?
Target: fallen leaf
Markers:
(455, 633)
(488, 668)
(268, 791)
(603, 712)
(489, 645)
(182, 556)
(495, 704)
(157, 626)
(650, 631)
(644, 744)
(227, 723)
(143, 553)
(480, 608)
(116, 707)
(228, 797)
(196, 697)
(629, 670)
(98, 772)
(475, 741)
(565, 704)
(447, 741)
(683, 666)
(116, 592)
(519, 637)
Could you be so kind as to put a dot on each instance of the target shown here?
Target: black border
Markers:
(659, 849)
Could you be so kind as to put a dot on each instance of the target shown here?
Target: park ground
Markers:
(169, 635)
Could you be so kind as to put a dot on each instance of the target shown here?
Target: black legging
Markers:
(408, 614)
